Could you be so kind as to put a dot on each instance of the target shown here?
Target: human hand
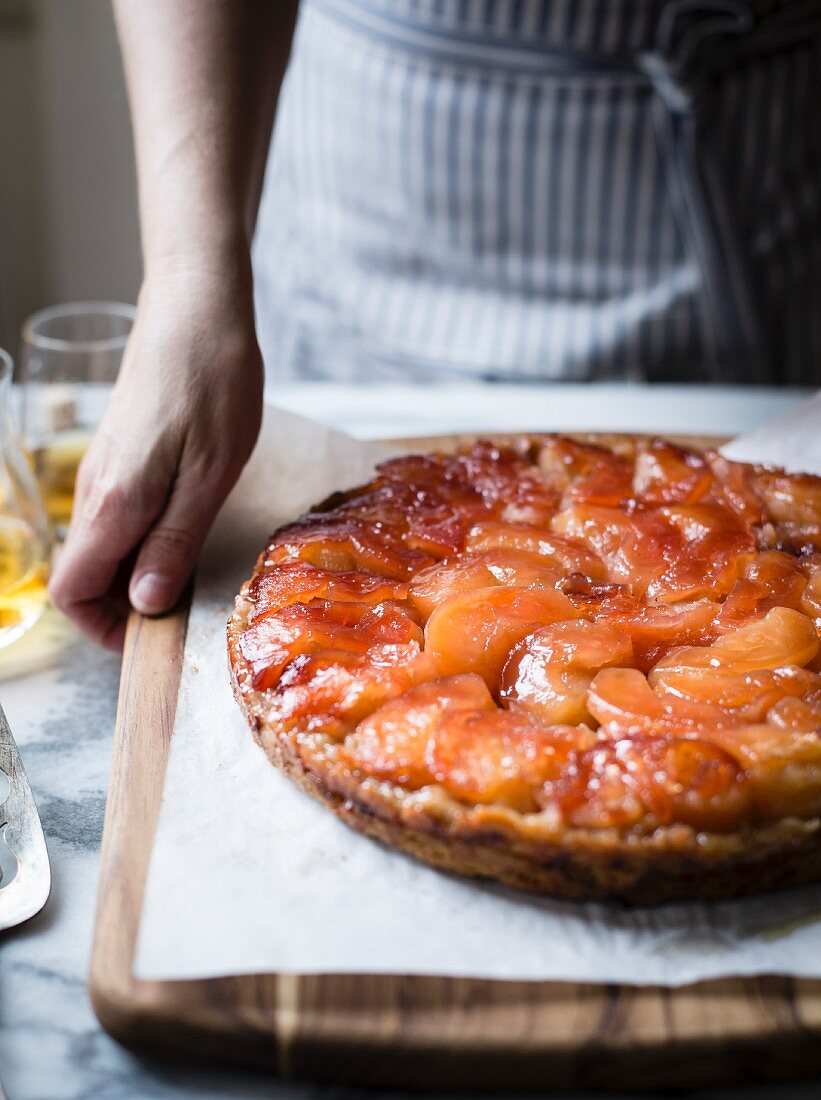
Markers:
(182, 421)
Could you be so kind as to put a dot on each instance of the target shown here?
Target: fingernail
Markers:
(150, 594)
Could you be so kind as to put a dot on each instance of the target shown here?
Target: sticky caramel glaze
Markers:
(556, 645)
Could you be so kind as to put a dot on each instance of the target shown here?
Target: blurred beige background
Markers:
(68, 219)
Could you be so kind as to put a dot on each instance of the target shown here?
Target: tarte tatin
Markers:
(588, 669)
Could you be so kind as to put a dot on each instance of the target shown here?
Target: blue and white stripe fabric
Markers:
(546, 189)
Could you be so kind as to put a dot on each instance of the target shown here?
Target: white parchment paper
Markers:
(250, 875)
(791, 440)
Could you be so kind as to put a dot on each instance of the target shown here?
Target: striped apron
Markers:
(546, 190)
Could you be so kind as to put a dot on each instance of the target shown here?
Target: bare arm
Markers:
(203, 78)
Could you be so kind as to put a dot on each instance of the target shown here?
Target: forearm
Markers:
(203, 78)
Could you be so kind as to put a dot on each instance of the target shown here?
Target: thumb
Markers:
(169, 553)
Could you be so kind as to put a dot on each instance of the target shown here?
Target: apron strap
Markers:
(690, 53)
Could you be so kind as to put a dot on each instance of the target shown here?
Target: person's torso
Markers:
(508, 188)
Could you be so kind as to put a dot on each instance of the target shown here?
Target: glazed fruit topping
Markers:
(613, 637)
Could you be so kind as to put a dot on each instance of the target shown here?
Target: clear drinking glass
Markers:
(70, 357)
(24, 533)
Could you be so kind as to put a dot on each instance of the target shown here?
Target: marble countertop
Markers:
(60, 696)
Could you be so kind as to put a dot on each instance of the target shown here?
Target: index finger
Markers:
(86, 584)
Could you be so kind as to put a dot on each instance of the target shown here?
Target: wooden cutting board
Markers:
(395, 1030)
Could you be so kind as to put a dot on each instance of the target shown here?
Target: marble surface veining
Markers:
(60, 694)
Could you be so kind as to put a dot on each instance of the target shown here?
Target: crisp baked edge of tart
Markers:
(672, 864)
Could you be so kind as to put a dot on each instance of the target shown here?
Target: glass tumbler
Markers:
(24, 531)
(70, 358)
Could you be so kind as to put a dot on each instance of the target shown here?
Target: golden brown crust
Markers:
(529, 851)
(580, 865)
(767, 859)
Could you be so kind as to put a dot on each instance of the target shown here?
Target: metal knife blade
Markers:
(28, 891)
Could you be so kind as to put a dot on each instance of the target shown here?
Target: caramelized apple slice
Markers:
(422, 473)
(330, 691)
(271, 642)
(667, 474)
(392, 743)
(485, 480)
(654, 629)
(429, 522)
(790, 498)
(747, 671)
(548, 673)
(510, 486)
(652, 781)
(343, 543)
(428, 498)
(769, 579)
(748, 695)
(636, 547)
(734, 487)
(782, 637)
(793, 538)
(623, 702)
(708, 561)
(499, 757)
(475, 631)
(801, 715)
(435, 519)
(527, 499)
(783, 767)
(811, 597)
(301, 582)
(585, 472)
(622, 698)
(513, 568)
(416, 482)
(571, 555)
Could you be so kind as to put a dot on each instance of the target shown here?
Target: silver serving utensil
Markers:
(28, 891)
